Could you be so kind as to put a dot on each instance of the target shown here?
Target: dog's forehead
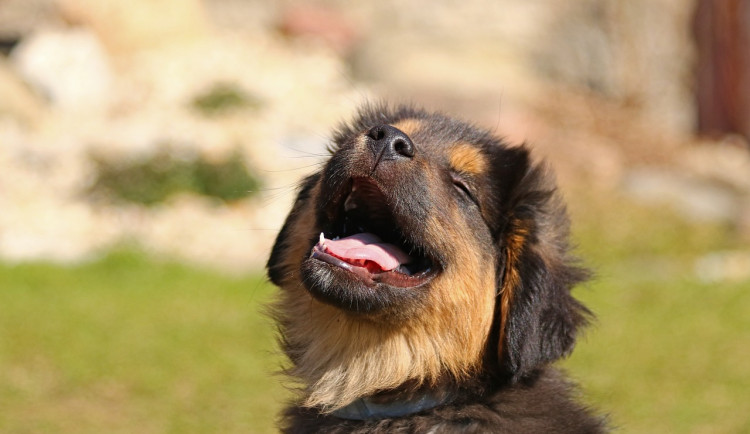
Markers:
(460, 153)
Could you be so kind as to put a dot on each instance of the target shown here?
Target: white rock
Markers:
(695, 199)
(69, 67)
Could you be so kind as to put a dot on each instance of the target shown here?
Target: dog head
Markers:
(425, 250)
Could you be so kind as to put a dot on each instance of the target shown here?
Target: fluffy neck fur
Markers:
(340, 357)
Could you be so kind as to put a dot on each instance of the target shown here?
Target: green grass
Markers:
(225, 98)
(153, 179)
(131, 345)
(667, 353)
(128, 344)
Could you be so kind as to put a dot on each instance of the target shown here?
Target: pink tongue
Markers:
(362, 247)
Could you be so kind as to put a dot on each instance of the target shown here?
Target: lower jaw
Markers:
(347, 291)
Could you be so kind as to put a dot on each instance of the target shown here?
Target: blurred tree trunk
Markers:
(722, 34)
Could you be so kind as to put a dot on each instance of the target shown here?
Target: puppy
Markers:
(425, 284)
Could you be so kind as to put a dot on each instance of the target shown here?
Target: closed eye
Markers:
(463, 187)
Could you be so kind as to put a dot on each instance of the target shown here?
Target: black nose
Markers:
(389, 141)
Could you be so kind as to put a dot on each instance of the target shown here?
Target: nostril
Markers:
(403, 147)
(376, 133)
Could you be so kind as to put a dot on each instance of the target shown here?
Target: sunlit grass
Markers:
(668, 352)
(131, 345)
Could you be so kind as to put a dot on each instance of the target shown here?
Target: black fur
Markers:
(541, 403)
(544, 318)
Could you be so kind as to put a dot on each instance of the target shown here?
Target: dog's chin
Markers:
(358, 290)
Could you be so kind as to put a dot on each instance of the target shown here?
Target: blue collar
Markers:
(366, 408)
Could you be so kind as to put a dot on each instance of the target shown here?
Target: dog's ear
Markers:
(536, 317)
(281, 258)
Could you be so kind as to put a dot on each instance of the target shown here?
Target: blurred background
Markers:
(150, 149)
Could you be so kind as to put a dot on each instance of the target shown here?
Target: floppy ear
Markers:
(538, 319)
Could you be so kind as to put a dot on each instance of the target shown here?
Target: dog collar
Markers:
(366, 408)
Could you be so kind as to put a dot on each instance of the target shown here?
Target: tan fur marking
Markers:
(512, 279)
(297, 242)
(467, 158)
(409, 126)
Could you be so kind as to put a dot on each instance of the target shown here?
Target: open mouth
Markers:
(365, 240)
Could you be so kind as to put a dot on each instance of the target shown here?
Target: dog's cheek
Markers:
(295, 239)
(463, 298)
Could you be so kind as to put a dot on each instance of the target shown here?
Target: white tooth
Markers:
(322, 239)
